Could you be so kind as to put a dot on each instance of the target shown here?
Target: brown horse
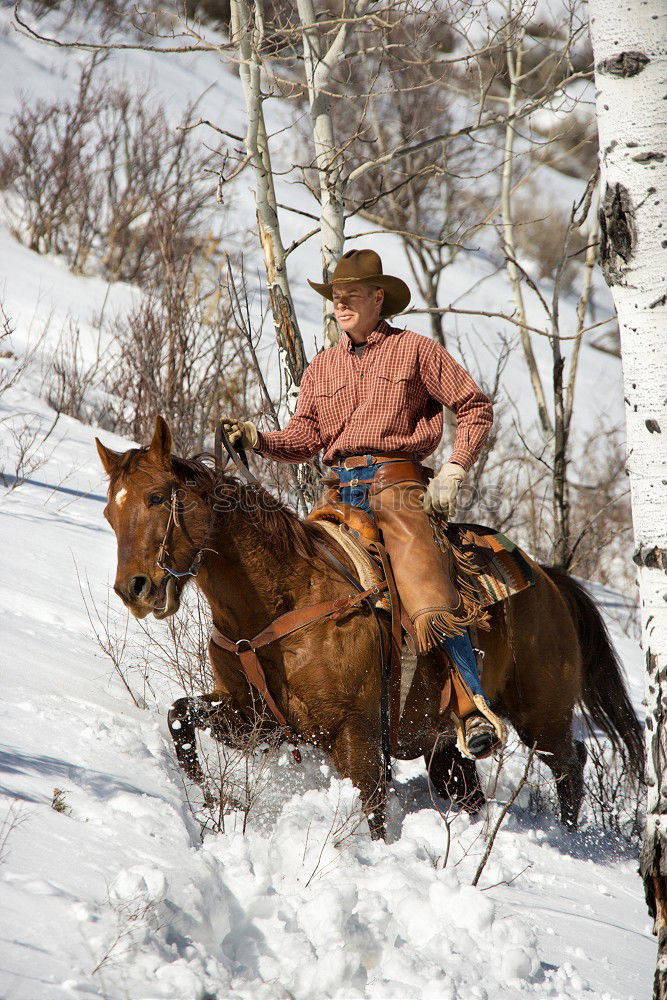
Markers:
(254, 559)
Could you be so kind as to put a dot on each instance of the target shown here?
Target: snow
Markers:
(118, 895)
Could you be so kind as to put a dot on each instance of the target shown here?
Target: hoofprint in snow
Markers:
(116, 895)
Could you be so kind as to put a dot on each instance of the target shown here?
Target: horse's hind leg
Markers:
(455, 776)
(565, 758)
(185, 716)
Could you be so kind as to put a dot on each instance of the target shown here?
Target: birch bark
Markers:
(629, 47)
(319, 62)
(247, 30)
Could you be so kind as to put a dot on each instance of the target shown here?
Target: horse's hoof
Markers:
(582, 752)
(481, 736)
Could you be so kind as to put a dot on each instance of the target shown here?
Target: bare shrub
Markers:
(59, 802)
(104, 180)
(109, 627)
(11, 366)
(23, 450)
(131, 920)
(71, 380)
(26, 451)
(181, 355)
(505, 808)
(540, 229)
(601, 516)
(15, 816)
(237, 765)
(614, 796)
(614, 800)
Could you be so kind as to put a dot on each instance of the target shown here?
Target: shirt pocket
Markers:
(327, 390)
(332, 402)
(399, 386)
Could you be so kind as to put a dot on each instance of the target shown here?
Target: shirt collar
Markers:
(381, 331)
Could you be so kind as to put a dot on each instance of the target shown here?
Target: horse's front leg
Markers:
(186, 715)
(357, 755)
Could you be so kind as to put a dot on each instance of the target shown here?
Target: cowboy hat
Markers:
(365, 266)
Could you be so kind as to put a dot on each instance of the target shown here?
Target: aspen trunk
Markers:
(631, 78)
(247, 32)
(319, 61)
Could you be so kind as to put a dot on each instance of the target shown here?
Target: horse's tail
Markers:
(604, 693)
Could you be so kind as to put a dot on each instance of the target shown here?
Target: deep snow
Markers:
(117, 896)
(280, 911)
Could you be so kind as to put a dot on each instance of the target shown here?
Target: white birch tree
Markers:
(629, 46)
(247, 33)
(320, 58)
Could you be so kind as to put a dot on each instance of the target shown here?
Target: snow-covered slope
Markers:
(116, 895)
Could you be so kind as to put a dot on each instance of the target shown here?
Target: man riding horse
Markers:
(374, 403)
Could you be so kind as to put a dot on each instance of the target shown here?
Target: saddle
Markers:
(477, 557)
(355, 531)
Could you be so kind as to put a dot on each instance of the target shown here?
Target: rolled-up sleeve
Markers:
(450, 384)
(300, 439)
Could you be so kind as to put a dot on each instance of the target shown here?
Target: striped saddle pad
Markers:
(498, 567)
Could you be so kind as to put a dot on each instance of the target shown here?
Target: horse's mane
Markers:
(277, 521)
(270, 517)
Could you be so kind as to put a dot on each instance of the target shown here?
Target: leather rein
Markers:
(293, 621)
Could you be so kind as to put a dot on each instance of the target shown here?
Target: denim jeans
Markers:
(459, 647)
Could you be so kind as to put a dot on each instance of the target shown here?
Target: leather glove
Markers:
(440, 496)
(241, 431)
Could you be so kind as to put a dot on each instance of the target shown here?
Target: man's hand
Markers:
(440, 496)
(241, 431)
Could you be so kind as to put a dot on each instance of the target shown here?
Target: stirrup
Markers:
(483, 709)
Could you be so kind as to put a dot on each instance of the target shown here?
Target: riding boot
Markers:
(479, 731)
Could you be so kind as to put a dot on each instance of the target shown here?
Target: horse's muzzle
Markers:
(141, 596)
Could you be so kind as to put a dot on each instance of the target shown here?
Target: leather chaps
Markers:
(423, 572)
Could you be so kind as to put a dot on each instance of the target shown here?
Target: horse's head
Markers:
(145, 509)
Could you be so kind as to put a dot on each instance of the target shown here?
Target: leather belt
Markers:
(357, 461)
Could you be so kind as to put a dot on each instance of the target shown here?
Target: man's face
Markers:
(357, 307)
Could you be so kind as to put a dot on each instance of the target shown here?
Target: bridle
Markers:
(163, 550)
(238, 456)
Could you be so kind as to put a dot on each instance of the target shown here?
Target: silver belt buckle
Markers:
(353, 482)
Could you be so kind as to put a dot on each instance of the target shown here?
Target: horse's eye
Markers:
(155, 499)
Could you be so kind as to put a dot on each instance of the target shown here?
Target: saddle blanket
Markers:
(498, 566)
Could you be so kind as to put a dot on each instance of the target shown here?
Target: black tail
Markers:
(604, 693)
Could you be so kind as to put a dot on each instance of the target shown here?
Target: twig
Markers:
(443, 310)
(506, 808)
(509, 881)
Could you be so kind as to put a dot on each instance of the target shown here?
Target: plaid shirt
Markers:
(389, 399)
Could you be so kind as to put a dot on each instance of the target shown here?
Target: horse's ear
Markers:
(108, 457)
(160, 446)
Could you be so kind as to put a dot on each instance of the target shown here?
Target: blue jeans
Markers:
(459, 647)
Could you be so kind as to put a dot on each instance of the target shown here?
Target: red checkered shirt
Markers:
(389, 399)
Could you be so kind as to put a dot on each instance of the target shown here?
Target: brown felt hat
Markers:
(366, 266)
